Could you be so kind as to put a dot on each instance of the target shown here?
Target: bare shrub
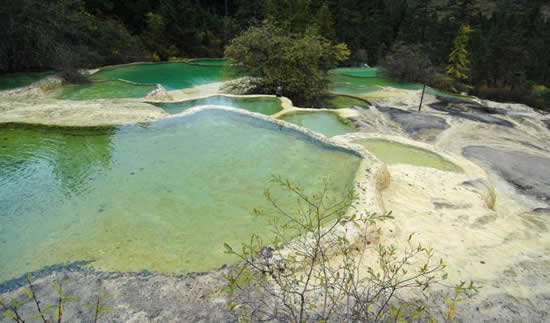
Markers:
(317, 270)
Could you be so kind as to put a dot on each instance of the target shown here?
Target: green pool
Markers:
(327, 123)
(103, 90)
(12, 81)
(172, 76)
(391, 152)
(267, 106)
(209, 61)
(362, 81)
(343, 101)
(354, 71)
(162, 196)
(354, 85)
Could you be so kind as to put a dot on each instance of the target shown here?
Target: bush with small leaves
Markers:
(317, 270)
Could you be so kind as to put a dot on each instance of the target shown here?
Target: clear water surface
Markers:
(163, 196)
(327, 123)
(171, 76)
(267, 105)
(391, 152)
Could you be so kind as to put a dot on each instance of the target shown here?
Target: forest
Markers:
(508, 44)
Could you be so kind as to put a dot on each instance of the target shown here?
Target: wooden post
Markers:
(422, 98)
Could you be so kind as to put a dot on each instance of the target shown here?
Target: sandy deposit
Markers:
(505, 248)
(77, 113)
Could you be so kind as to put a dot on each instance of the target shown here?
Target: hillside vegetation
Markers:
(507, 47)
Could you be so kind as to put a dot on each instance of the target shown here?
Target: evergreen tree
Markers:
(324, 22)
(458, 69)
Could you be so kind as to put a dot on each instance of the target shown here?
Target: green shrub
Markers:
(296, 62)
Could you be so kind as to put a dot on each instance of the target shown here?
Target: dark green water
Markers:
(267, 106)
(327, 123)
(163, 196)
(12, 81)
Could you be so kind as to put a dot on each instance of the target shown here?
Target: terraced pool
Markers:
(163, 196)
(171, 76)
(325, 122)
(356, 85)
(137, 80)
(12, 81)
(103, 90)
(391, 152)
(263, 105)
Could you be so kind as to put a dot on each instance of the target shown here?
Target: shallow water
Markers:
(12, 81)
(361, 81)
(391, 152)
(360, 72)
(103, 90)
(327, 123)
(172, 76)
(267, 106)
(354, 85)
(163, 196)
(343, 101)
(209, 61)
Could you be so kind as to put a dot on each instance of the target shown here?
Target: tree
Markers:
(324, 23)
(408, 63)
(292, 15)
(297, 62)
(458, 69)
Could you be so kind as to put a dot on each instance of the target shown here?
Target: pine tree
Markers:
(458, 69)
(325, 23)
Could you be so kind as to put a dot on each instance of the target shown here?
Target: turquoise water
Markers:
(12, 81)
(353, 85)
(327, 123)
(163, 196)
(362, 81)
(209, 61)
(172, 76)
(267, 106)
(360, 72)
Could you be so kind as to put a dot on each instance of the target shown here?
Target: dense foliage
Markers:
(298, 63)
(508, 46)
